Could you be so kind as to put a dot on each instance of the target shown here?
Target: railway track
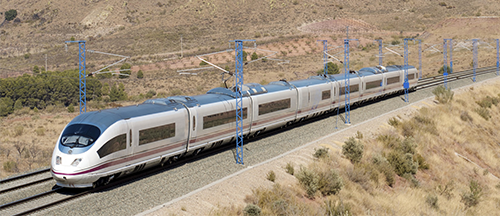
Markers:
(60, 195)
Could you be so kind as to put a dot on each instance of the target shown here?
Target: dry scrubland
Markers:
(409, 167)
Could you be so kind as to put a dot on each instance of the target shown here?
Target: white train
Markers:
(99, 146)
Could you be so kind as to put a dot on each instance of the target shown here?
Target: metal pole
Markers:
(325, 57)
(406, 84)
(474, 57)
(347, 83)
(83, 83)
(445, 62)
(239, 100)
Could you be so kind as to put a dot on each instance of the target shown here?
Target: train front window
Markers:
(80, 135)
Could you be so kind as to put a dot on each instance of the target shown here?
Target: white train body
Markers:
(96, 147)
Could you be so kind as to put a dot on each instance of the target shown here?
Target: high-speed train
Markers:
(96, 147)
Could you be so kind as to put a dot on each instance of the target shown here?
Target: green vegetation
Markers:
(140, 75)
(432, 201)
(125, 66)
(472, 197)
(36, 70)
(353, 150)
(333, 68)
(327, 181)
(289, 168)
(71, 109)
(10, 14)
(441, 70)
(321, 153)
(251, 210)
(47, 88)
(254, 56)
(271, 176)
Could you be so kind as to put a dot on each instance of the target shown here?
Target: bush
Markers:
(421, 162)
(442, 4)
(472, 197)
(333, 68)
(464, 115)
(321, 153)
(447, 190)
(289, 168)
(329, 182)
(251, 210)
(10, 14)
(337, 208)
(443, 95)
(72, 38)
(18, 105)
(413, 181)
(402, 162)
(271, 176)
(353, 150)
(36, 69)
(308, 179)
(483, 112)
(10, 166)
(254, 56)
(395, 42)
(487, 102)
(71, 109)
(140, 75)
(441, 70)
(432, 201)
(394, 122)
(150, 93)
(18, 130)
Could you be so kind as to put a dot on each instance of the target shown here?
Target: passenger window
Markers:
(116, 144)
(130, 137)
(325, 95)
(274, 106)
(194, 123)
(157, 133)
(373, 84)
(221, 118)
(392, 80)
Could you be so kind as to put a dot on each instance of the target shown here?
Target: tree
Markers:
(121, 90)
(333, 68)
(140, 75)
(18, 105)
(10, 14)
(105, 89)
(124, 67)
(36, 70)
(114, 94)
(6, 106)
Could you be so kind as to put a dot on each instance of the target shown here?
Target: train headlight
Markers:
(76, 162)
(58, 160)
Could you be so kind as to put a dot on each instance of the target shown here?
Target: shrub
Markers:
(125, 66)
(10, 14)
(483, 112)
(389, 140)
(10, 166)
(394, 122)
(472, 197)
(359, 135)
(421, 162)
(443, 95)
(289, 168)
(441, 70)
(487, 102)
(337, 208)
(140, 75)
(308, 179)
(402, 162)
(295, 2)
(245, 54)
(18, 130)
(36, 69)
(18, 105)
(395, 42)
(442, 4)
(150, 93)
(329, 182)
(413, 181)
(254, 56)
(72, 38)
(333, 68)
(353, 150)
(321, 153)
(447, 190)
(251, 210)
(464, 115)
(71, 108)
(432, 201)
(271, 176)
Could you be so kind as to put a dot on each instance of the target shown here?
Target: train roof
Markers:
(105, 118)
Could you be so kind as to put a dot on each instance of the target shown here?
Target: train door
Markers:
(193, 125)
(130, 137)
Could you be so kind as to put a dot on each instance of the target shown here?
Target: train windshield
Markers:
(80, 135)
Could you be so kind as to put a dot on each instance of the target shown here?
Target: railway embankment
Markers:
(433, 156)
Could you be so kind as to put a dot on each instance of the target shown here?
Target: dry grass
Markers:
(441, 187)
